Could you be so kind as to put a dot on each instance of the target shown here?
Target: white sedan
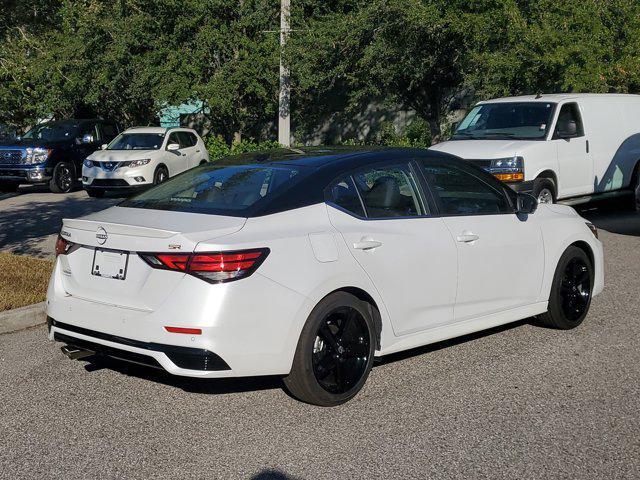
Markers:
(310, 265)
(141, 157)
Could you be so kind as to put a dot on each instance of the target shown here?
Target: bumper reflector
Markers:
(188, 331)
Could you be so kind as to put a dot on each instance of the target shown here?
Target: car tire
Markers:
(571, 291)
(9, 187)
(544, 189)
(335, 352)
(160, 175)
(635, 187)
(93, 193)
(63, 178)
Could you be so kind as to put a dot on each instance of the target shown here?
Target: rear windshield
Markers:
(137, 141)
(232, 191)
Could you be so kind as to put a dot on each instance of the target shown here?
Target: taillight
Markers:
(62, 246)
(215, 267)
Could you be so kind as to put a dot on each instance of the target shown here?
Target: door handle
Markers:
(467, 237)
(198, 151)
(367, 244)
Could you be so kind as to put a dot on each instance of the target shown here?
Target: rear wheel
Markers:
(335, 352)
(161, 175)
(9, 186)
(571, 291)
(63, 178)
(544, 190)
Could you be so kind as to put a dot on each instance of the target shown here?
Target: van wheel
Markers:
(335, 352)
(63, 178)
(544, 190)
(571, 291)
(161, 175)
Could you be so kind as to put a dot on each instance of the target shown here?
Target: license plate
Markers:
(110, 264)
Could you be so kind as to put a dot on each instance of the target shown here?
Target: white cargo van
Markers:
(570, 147)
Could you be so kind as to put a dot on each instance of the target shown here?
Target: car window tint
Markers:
(569, 113)
(192, 138)
(185, 140)
(108, 131)
(173, 138)
(343, 194)
(461, 193)
(388, 192)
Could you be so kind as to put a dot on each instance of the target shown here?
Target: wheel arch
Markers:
(549, 175)
(364, 296)
(586, 248)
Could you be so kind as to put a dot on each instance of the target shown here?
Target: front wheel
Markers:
(544, 190)
(63, 178)
(571, 291)
(335, 352)
(161, 175)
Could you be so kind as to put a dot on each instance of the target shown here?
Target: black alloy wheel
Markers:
(341, 350)
(62, 179)
(571, 290)
(335, 351)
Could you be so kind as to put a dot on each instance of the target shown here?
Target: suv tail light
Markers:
(214, 267)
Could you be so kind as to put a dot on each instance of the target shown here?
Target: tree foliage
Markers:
(126, 59)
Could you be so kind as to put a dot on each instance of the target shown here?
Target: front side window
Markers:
(504, 121)
(219, 191)
(53, 132)
(137, 141)
(459, 192)
(569, 122)
(174, 138)
(389, 191)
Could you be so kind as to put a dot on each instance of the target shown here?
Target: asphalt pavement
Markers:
(519, 401)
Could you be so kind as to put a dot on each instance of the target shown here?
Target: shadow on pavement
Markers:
(272, 475)
(612, 218)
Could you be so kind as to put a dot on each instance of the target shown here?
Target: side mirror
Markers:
(88, 138)
(173, 147)
(526, 204)
(103, 146)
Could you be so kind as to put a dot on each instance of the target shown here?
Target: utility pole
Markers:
(284, 98)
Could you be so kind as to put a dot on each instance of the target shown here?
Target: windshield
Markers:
(137, 141)
(228, 191)
(53, 132)
(500, 121)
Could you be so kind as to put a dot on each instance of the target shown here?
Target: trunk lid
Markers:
(102, 237)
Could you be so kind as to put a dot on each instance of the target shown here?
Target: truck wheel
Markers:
(9, 186)
(544, 190)
(63, 178)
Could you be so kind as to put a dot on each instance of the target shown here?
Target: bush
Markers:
(416, 135)
(219, 149)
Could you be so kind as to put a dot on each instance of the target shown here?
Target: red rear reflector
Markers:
(188, 331)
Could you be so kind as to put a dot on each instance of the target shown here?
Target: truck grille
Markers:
(10, 157)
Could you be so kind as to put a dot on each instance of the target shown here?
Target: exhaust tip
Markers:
(75, 353)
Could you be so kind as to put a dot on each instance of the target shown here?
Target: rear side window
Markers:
(343, 194)
(109, 131)
(220, 191)
(186, 139)
(460, 192)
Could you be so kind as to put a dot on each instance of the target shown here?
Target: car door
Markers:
(188, 144)
(177, 160)
(574, 160)
(408, 254)
(500, 254)
(87, 142)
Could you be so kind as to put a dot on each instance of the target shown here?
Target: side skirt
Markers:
(464, 327)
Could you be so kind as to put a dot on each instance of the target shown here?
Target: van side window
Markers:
(569, 122)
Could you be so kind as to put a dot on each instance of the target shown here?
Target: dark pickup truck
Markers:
(52, 153)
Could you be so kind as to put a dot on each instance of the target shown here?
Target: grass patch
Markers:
(23, 280)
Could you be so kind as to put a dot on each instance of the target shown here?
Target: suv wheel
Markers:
(544, 190)
(161, 174)
(635, 185)
(335, 352)
(571, 291)
(9, 186)
(63, 178)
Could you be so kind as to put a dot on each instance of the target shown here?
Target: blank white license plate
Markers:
(110, 264)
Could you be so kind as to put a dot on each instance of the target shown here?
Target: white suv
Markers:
(141, 157)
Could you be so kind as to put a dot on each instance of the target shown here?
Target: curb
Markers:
(21, 318)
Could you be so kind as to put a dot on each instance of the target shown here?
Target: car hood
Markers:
(122, 155)
(485, 149)
(29, 143)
